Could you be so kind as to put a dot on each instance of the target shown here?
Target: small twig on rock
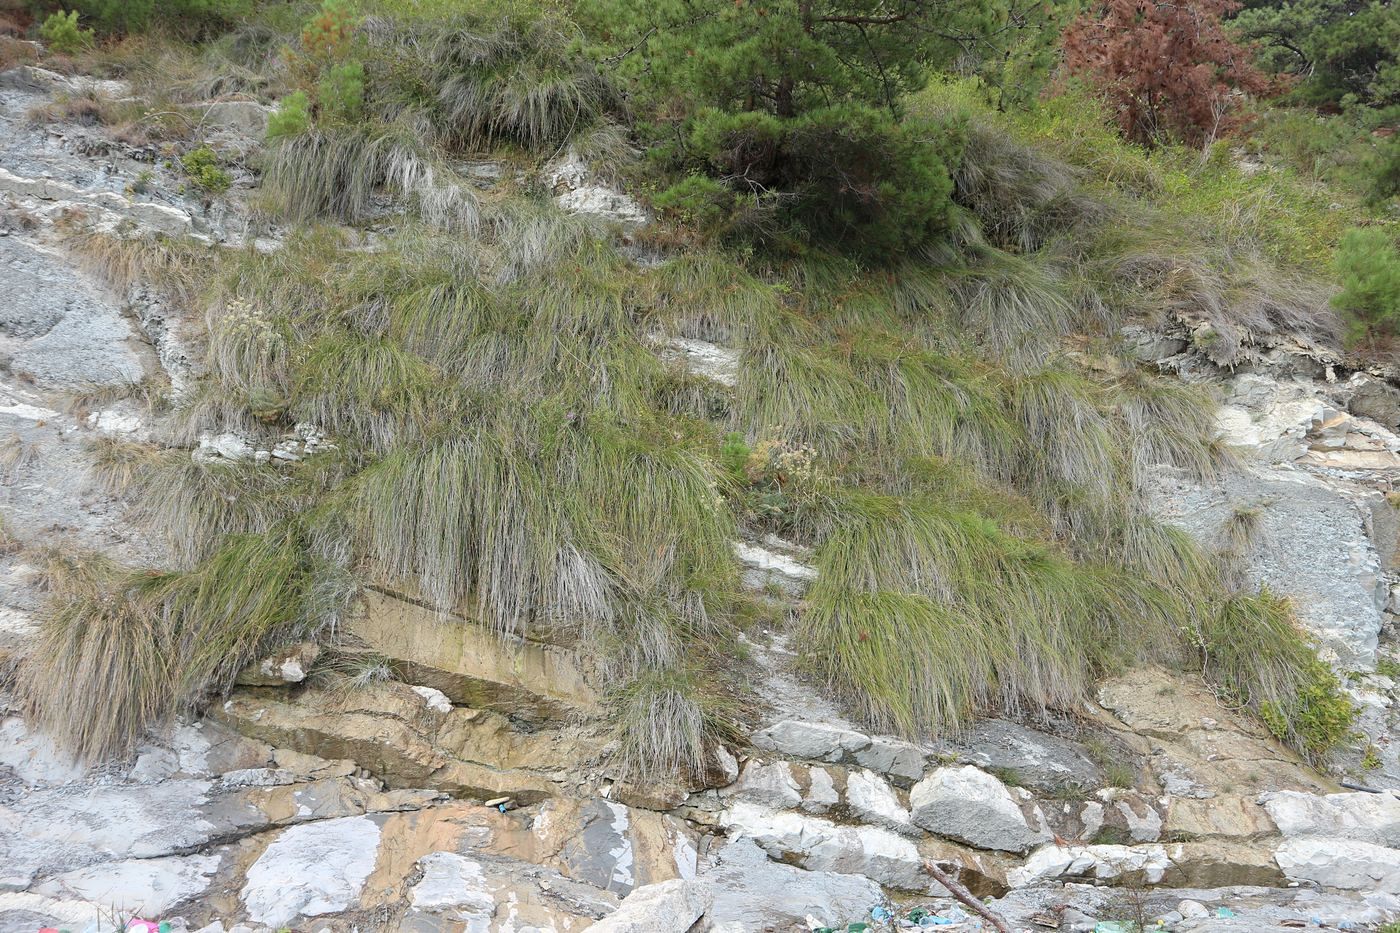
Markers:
(956, 889)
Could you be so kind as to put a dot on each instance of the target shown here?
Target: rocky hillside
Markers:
(337, 593)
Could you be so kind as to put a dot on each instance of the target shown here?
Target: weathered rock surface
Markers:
(1040, 760)
(391, 730)
(1372, 818)
(1194, 747)
(818, 844)
(1310, 544)
(312, 870)
(1340, 863)
(577, 190)
(775, 565)
(742, 889)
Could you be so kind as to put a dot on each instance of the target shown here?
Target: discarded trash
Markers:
(1115, 926)
(879, 913)
(1224, 913)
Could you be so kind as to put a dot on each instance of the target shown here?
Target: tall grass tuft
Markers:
(1254, 653)
(121, 650)
(922, 616)
(520, 85)
(339, 172)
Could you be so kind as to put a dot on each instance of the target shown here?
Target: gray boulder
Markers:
(971, 806)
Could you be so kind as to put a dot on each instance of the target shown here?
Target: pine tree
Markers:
(793, 107)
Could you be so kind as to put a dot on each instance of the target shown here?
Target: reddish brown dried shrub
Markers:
(1166, 66)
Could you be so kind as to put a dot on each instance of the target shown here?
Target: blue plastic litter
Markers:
(879, 913)
(1224, 913)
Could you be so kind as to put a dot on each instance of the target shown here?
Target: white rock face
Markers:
(1373, 818)
(1310, 544)
(1102, 863)
(577, 191)
(311, 870)
(769, 783)
(820, 741)
(972, 806)
(720, 364)
(149, 887)
(814, 740)
(453, 881)
(667, 905)
(820, 845)
(821, 793)
(872, 799)
(774, 563)
(1340, 863)
(743, 890)
(33, 758)
(436, 700)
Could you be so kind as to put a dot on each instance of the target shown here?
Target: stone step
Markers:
(409, 737)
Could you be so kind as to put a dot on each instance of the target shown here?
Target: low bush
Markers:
(62, 33)
(202, 167)
(846, 177)
(195, 17)
(1369, 265)
(291, 118)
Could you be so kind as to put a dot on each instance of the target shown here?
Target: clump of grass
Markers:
(179, 268)
(1169, 422)
(150, 395)
(922, 616)
(15, 454)
(520, 83)
(661, 725)
(118, 463)
(369, 389)
(510, 519)
(353, 670)
(1022, 196)
(1238, 539)
(121, 650)
(1254, 653)
(338, 172)
(194, 505)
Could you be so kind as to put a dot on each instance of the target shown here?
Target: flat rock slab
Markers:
(60, 329)
(474, 666)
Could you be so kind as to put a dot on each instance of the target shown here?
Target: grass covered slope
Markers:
(951, 427)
